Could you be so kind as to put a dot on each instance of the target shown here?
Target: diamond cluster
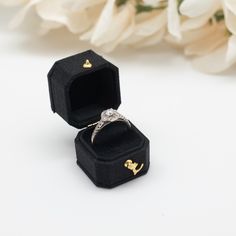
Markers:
(109, 115)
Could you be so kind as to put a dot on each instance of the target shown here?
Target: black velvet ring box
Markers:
(81, 87)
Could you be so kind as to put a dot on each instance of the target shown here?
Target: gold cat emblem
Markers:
(133, 166)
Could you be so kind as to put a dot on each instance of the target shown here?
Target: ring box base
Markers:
(104, 162)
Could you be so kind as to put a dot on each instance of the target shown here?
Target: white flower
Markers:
(19, 18)
(224, 55)
(212, 37)
(56, 13)
(219, 60)
(113, 26)
(149, 29)
(204, 33)
(206, 29)
(189, 15)
(59, 13)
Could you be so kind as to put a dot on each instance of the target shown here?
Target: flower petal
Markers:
(192, 35)
(83, 4)
(112, 45)
(19, 18)
(231, 52)
(87, 35)
(230, 16)
(46, 26)
(231, 5)
(13, 2)
(197, 22)
(104, 21)
(173, 19)
(209, 43)
(76, 21)
(152, 25)
(214, 62)
(151, 40)
(151, 2)
(195, 8)
(113, 23)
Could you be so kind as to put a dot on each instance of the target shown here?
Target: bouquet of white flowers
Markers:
(206, 29)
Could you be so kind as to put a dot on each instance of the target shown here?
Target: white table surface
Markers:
(189, 117)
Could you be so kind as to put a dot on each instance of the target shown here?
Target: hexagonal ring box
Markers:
(81, 87)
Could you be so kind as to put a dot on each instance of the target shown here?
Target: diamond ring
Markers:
(107, 117)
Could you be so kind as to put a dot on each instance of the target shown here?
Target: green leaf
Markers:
(143, 8)
(140, 8)
(120, 2)
(219, 16)
(179, 2)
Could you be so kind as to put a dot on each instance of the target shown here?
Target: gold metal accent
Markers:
(87, 64)
(133, 166)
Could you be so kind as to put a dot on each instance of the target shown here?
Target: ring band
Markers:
(107, 117)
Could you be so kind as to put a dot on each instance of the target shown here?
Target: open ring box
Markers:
(81, 87)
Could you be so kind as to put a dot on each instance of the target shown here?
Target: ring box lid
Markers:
(80, 90)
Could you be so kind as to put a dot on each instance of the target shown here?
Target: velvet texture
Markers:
(103, 161)
(79, 95)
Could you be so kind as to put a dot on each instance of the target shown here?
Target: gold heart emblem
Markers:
(87, 64)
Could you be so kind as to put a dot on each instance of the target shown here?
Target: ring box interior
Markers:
(81, 87)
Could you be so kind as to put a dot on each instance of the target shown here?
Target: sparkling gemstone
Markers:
(109, 112)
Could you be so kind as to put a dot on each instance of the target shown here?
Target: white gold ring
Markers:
(107, 117)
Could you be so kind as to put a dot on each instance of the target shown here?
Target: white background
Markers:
(189, 117)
